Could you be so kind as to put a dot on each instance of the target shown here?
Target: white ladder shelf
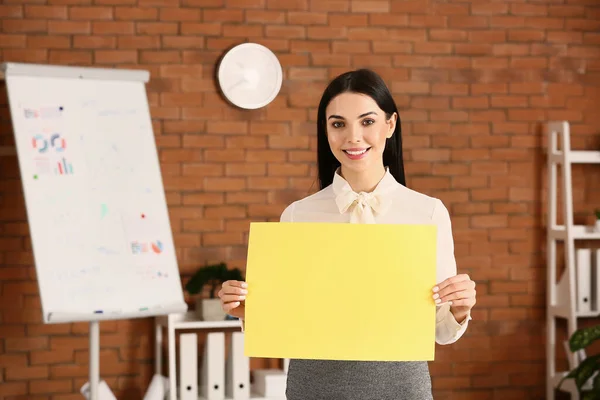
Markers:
(561, 300)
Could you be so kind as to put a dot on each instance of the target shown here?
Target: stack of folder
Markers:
(220, 375)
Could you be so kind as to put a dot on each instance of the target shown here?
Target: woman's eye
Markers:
(337, 124)
(368, 122)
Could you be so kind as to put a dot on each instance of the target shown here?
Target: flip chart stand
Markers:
(88, 131)
(94, 359)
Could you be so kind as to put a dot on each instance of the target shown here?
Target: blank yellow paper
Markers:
(341, 291)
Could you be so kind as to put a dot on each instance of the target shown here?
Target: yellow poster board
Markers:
(341, 291)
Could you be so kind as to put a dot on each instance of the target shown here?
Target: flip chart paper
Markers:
(341, 291)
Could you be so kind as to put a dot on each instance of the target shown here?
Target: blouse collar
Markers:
(363, 206)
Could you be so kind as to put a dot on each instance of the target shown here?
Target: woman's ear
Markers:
(391, 125)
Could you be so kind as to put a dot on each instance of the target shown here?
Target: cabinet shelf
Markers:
(560, 294)
(577, 157)
(580, 232)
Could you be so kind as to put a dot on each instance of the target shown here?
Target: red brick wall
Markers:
(473, 80)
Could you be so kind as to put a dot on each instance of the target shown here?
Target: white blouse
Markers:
(389, 203)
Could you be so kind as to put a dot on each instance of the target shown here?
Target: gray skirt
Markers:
(358, 380)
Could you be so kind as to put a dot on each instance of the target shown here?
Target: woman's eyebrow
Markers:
(367, 113)
(360, 116)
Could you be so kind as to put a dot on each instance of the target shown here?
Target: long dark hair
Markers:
(367, 82)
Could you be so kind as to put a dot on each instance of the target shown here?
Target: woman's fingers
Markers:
(228, 298)
(240, 284)
(233, 287)
(453, 284)
(454, 296)
(230, 306)
(469, 302)
(232, 293)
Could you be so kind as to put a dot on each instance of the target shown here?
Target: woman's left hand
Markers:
(460, 291)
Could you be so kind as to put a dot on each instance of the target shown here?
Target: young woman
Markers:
(361, 176)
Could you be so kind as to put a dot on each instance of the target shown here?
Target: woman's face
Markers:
(357, 130)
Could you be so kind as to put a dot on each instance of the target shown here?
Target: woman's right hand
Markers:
(233, 298)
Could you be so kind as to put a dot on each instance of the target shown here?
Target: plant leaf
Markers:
(596, 382)
(211, 275)
(582, 338)
(585, 370)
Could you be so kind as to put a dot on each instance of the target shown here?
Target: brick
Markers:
(290, 32)
(11, 11)
(524, 35)
(306, 18)
(64, 57)
(48, 42)
(45, 12)
(245, 169)
(14, 389)
(50, 386)
(223, 211)
(202, 225)
(317, 32)
(69, 27)
(179, 14)
(138, 42)
(262, 183)
(386, 19)
(26, 373)
(359, 6)
(94, 42)
(362, 47)
(288, 5)
(26, 344)
(265, 16)
(220, 239)
(91, 13)
(309, 46)
(433, 48)
(24, 26)
(136, 13)
(14, 41)
(242, 31)
(249, 4)
(203, 141)
(115, 56)
(112, 27)
(178, 42)
(194, 28)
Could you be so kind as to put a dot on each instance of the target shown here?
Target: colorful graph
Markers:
(57, 142)
(63, 167)
(43, 112)
(157, 247)
(42, 166)
(103, 210)
(41, 144)
(146, 247)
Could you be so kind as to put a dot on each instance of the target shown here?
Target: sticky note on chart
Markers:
(341, 291)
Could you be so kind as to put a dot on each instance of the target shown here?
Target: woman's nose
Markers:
(354, 134)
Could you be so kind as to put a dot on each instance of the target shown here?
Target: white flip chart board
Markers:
(96, 207)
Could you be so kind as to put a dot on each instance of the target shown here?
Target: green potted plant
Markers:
(588, 367)
(598, 220)
(209, 309)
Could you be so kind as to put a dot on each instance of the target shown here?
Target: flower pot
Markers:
(210, 310)
(598, 225)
